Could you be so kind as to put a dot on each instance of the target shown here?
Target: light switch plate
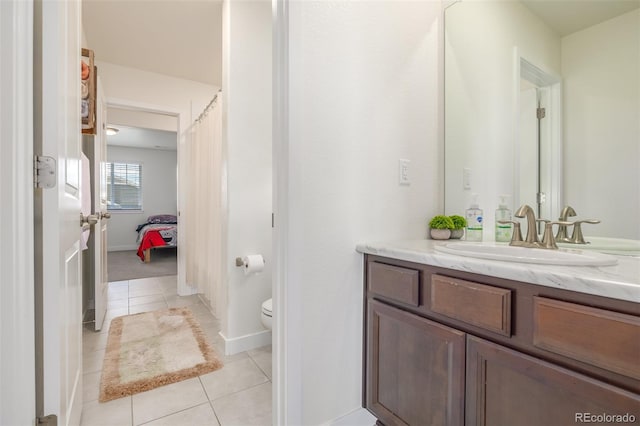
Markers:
(403, 172)
(466, 178)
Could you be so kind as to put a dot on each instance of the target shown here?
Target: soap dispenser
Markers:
(503, 230)
(474, 220)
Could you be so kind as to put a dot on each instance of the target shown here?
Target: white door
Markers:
(17, 338)
(58, 135)
(100, 203)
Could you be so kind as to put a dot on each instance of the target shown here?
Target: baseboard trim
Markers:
(122, 248)
(358, 417)
(247, 342)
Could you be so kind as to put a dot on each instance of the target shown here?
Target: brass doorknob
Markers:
(106, 215)
(91, 219)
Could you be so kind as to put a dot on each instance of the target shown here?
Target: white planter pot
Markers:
(440, 234)
(456, 234)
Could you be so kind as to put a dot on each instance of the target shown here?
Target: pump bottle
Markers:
(474, 220)
(503, 230)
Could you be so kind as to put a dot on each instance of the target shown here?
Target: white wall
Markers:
(145, 88)
(158, 193)
(480, 85)
(364, 93)
(247, 140)
(600, 66)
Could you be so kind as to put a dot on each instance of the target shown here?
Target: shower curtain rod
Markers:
(209, 105)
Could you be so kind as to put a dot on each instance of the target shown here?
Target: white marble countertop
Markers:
(620, 281)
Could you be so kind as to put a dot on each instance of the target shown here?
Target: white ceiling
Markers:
(569, 16)
(136, 137)
(180, 38)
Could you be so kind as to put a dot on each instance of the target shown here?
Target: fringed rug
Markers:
(153, 349)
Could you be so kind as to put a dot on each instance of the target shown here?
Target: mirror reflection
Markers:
(542, 103)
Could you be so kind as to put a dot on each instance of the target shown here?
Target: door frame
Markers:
(127, 104)
(17, 294)
(287, 319)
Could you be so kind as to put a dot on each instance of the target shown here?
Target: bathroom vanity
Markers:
(450, 340)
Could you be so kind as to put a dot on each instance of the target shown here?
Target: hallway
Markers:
(237, 394)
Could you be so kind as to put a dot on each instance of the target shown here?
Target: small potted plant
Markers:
(459, 223)
(440, 227)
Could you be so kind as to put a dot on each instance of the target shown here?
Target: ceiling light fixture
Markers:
(112, 131)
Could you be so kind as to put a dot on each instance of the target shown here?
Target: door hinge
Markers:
(540, 113)
(44, 172)
(50, 420)
(541, 197)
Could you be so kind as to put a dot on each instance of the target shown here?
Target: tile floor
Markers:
(239, 394)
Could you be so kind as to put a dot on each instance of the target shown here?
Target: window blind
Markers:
(124, 186)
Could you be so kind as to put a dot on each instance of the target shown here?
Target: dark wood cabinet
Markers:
(415, 369)
(509, 388)
(447, 347)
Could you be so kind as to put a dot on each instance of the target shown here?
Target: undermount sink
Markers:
(496, 251)
(619, 246)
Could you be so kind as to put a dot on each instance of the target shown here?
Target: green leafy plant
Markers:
(459, 222)
(441, 222)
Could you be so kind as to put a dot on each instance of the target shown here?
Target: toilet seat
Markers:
(267, 314)
(267, 308)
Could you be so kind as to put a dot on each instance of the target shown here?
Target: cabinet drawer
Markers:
(477, 304)
(394, 282)
(599, 337)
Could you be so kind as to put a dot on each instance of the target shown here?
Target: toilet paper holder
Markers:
(240, 262)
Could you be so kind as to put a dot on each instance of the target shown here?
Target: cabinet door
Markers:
(415, 369)
(508, 388)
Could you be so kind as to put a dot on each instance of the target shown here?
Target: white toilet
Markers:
(267, 313)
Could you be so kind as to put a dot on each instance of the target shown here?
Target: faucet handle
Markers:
(516, 235)
(548, 240)
(577, 237)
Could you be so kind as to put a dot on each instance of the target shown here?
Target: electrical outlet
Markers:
(403, 172)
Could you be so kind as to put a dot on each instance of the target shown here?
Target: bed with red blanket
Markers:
(160, 231)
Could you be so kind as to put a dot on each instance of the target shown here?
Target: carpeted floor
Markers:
(126, 265)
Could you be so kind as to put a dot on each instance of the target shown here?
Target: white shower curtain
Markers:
(204, 213)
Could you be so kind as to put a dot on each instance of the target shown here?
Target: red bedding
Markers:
(151, 238)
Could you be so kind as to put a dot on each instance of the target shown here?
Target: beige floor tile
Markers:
(118, 293)
(91, 386)
(202, 415)
(144, 287)
(148, 307)
(114, 313)
(118, 304)
(144, 300)
(233, 377)
(247, 408)
(92, 361)
(259, 350)
(94, 341)
(200, 310)
(175, 301)
(119, 284)
(169, 280)
(262, 358)
(166, 400)
(112, 413)
(241, 389)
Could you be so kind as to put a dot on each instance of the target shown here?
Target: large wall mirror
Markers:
(542, 103)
